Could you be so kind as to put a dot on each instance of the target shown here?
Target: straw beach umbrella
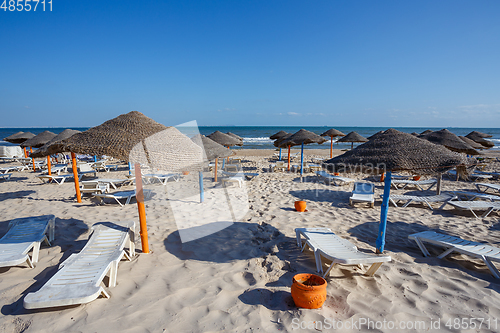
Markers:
(471, 143)
(225, 140)
(426, 132)
(277, 136)
(20, 137)
(332, 133)
(301, 137)
(450, 141)
(476, 136)
(37, 141)
(45, 150)
(353, 137)
(395, 151)
(375, 135)
(212, 149)
(235, 136)
(278, 142)
(481, 134)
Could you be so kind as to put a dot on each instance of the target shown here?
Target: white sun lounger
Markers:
(59, 179)
(162, 178)
(93, 186)
(363, 192)
(400, 184)
(454, 244)
(326, 244)
(488, 206)
(337, 180)
(425, 199)
(56, 169)
(5, 176)
(494, 187)
(115, 183)
(79, 278)
(25, 234)
(4, 170)
(238, 178)
(117, 196)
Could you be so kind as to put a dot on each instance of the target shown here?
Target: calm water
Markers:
(257, 137)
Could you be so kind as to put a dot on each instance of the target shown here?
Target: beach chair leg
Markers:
(29, 262)
(445, 253)
(121, 205)
(422, 247)
(407, 203)
(470, 209)
(113, 272)
(373, 268)
(319, 265)
(131, 246)
(104, 293)
(442, 206)
(36, 250)
(492, 267)
(328, 270)
(487, 212)
(297, 237)
(431, 186)
(428, 205)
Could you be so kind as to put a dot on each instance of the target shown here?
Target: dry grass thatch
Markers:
(39, 140)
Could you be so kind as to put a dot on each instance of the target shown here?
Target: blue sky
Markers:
(335, 63)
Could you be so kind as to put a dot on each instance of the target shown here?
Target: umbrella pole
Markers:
(215, 172)
(129, 168)
(25, 152)
(139, 194)
(202, 193)
(438, 185)
(32, 159)
(48, 165)
(352, 145)
(280, 154)
(288, 158)
(301, 161)
(75, 176)
(331, 147)
(380, 243)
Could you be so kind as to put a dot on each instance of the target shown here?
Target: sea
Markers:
(257, 137)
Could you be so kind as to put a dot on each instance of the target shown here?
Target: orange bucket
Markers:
(300, 206)
(416, 177)
(308, 291)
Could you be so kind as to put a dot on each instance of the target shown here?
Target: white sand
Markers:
(238, 279)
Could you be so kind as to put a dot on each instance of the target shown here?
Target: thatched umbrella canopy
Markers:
(212, 149)
(395, 151)
(332, 132)
(224, 139)
(481, 134)
(278, 135)
(39, 140)
(301, 137)
(471, 143)
(278, 142)
(375, 135)
(353, 137)
(450, 141)
(19, 137)
(477, 138)
(415, 134)
(426, 132)
(45, 150)
(235, 136)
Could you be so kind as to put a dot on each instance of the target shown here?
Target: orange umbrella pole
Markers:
(215, 172)
(331, 147)
(139, 194)
(75, 176)
(25, 152)
(48, 165)
(32, 159)
(288, 158)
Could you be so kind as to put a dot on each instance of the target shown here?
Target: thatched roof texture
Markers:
(375, 135)
(471, 143)
(278, 142)
(224, 139)
(234, 136)
(212, 149)
(301, 136)
(450, 141)
(115, 137)
(39, 140)
(278, 135)
(477, 138)
(332, 133)
(19, 137)
(426, 132)
(353, 137)
(480, 134)
(396, 151)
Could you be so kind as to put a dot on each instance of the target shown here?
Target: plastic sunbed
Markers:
(117, 196)
(93, 186)
(79, 278)
(400, 184)
(363, 192)
(326, 244)
(25, 234)
(494, 187)
(162, 178)
(484, 252)
(475, 195)
(488, 206)
(425, 199)
(59, 179)
(115, 183)
(5, 176)
(337, 180)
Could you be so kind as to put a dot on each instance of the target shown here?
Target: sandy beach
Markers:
(238, 279)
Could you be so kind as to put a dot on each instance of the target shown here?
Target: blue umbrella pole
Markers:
(302, 160)
(202, 193)
(280, 154)
(380, 243)
(129, 168)
(95, 158)
(223, 163)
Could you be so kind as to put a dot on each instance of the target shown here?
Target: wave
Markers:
(259, 139)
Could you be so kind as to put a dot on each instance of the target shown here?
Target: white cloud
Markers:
(293, 114)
